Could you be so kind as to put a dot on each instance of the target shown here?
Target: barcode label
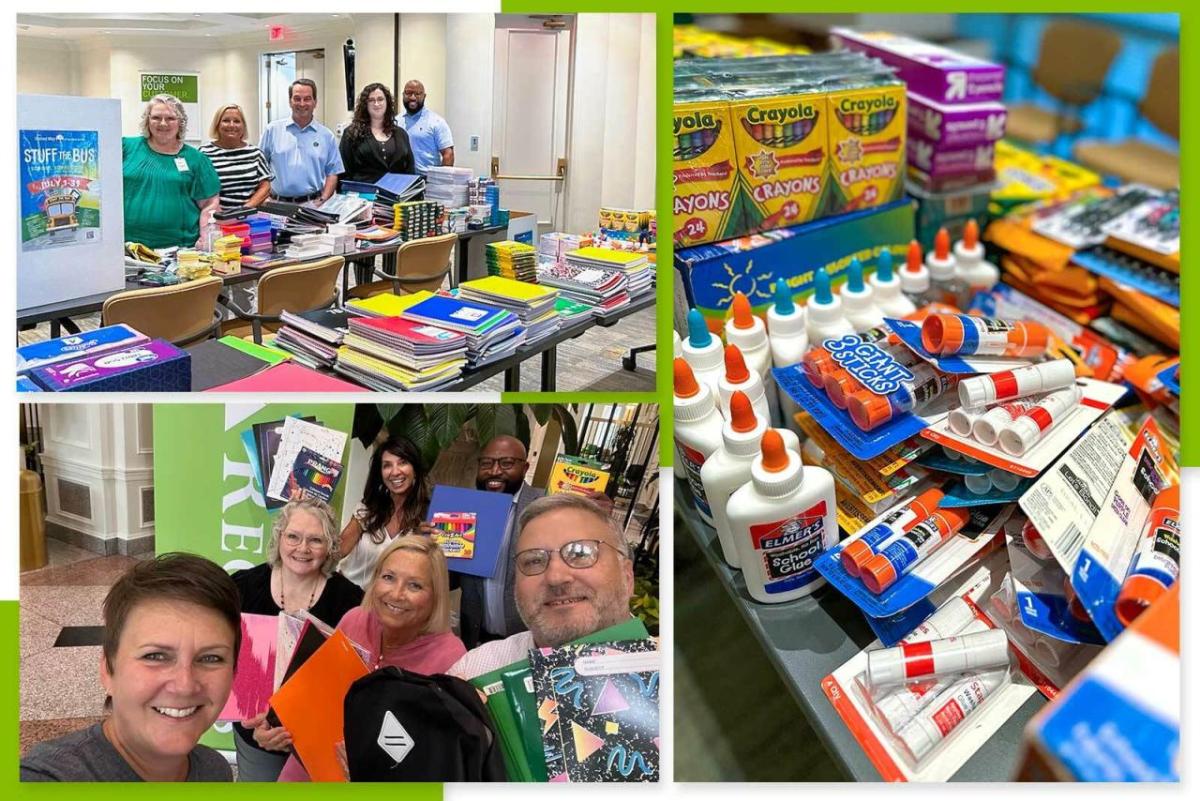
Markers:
(1071, 543)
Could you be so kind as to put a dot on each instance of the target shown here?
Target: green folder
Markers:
(270, 355)
(513, 735)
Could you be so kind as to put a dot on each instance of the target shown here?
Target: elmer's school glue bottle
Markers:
(888, 296)
(739, 377)
(749, 333)
(728, 469)
(789, 341)
(697, 431)
(915, 281)
(826, 320)
(703, 351)
(858, 299)
(977, 274)
(782, 521)
(943, 271)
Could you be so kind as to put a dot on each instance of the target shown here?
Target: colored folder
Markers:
(288, 377)
(491, 511)
(255, 676)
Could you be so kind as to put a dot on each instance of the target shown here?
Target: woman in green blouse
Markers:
(170, 188)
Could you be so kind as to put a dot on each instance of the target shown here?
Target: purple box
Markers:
(931, 71)
(940, 162)
(154, 366)
(955, 126)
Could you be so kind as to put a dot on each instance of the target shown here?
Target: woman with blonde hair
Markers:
(242, 167)
(170, 187)
(404, 619)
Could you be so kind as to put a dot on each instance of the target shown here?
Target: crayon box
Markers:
(782, 152)
(571, 475)
(867, 134)
(704, 173)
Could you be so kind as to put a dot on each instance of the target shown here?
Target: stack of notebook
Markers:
(492, 333)
(313, 337)
(394, 353)
(634, 265)
(386, 304)
(448, 185)
(606, 290)
(385, 193)
(510, 259)
(533, 304)
(349, 208)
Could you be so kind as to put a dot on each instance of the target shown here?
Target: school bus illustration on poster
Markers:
(60, 188)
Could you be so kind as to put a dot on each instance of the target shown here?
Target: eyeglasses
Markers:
(293, 539)
(507, 463)
(577, 554)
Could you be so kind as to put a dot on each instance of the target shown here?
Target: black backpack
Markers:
(404, 727)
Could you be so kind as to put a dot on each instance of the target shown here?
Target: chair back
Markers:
(299, 287)
(1073, 59)
(181, 313)
(1160, 103)
(423, 263)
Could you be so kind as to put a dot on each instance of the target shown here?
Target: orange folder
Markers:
(310, 704)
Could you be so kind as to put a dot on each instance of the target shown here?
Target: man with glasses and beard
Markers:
(572, 576)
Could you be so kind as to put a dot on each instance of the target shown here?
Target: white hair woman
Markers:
(170, 187)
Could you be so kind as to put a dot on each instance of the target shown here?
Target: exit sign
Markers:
(275, 33)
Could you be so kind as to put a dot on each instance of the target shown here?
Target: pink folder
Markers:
(288, 377)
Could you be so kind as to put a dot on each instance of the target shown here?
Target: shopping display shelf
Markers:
(805, 640)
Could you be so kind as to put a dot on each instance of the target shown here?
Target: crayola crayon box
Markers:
(572, 474)
(867, 140)
(704, 170)
(781, 148)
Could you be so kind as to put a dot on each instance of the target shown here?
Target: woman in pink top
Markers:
(404, 622)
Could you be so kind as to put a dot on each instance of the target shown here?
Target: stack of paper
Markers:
(512, 260)
(403, 354)
(606, 290)
(416, 219)
(310, 246)
(492, 333)
(533, 304)
(348, 208)
(313, 337)
(448, 185)
(634, 265)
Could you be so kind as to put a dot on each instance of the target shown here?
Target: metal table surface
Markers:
(809, 638)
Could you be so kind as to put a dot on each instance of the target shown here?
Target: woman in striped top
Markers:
(243, 170)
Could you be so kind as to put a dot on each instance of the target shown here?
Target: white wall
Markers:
(47, 68)
(423, 56)
(611, 153)
(470, 43)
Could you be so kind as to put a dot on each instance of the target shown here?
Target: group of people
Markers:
(172, 189)
(172, 624)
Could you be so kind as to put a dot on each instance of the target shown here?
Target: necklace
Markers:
(283, 594)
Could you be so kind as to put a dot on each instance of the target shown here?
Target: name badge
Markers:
(181, 164)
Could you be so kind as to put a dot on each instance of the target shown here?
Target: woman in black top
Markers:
(373, 145)
(297, 576)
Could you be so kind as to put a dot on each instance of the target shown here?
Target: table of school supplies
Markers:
(462, 251)
(807, 639)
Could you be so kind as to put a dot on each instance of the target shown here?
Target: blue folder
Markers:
(491, 509)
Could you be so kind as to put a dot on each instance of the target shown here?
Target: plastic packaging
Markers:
(739, 377)
(782, 521)
(697, 431)
(915, 280)
(943, 657)
(728, 468)
(979, 275)
(703, 352)
(869, 411)
(950, 708)
(856, 553)
(1034, 541)
(1022, 433)
(749, 333)
(964, 334)
(889, 296)
(984, 390)
(986, 427)
(1004, 480)
(978, 484)
(1155, 564)
(905, 553)
(858, 300)
(826, 320)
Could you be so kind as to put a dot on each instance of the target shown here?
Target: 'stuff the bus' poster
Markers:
(60, 188)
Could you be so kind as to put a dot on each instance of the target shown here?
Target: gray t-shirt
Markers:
(87, 756)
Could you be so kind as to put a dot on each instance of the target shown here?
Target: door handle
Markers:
(560, 176)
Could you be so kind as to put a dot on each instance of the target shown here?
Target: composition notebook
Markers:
(488, 513)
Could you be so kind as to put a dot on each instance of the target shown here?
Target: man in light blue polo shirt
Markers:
(428, 134)
(303, 153)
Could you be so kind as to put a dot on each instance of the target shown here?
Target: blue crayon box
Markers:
(154, 366)
(75, 346)
(711, 274)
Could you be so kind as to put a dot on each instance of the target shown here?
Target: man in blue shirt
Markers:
(303, 153)
(428, 134)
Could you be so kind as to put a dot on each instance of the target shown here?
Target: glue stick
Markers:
(943, 657)
(963, 334)
(961, 420)
(950, 708)
(697, 431)
(905, 553)
(986, 427)
(1029, 427)
(978, 484)
(749, 333)
(915, 281)
(782, 521)
(858, 299)
(826, 320)
(869, 411)
(979, 275)
(703, 352)
(728, 468)
(856, 553)
(888, 295)
(739, 377)
(818, 362)
(1004, 480)
(1155, 566)
(984, 390)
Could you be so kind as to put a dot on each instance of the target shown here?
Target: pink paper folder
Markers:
(288, 377)
(254, 680)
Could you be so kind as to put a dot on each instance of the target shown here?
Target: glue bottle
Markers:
(782, 521)
(728, 469)
(826, 320)
(888, 295)
(703, 352)
(915, 282)
(749, 333)
(977, 274)
(697, 431)
(946, 285)
(789, 341)
(859, 300)
(739, 376)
